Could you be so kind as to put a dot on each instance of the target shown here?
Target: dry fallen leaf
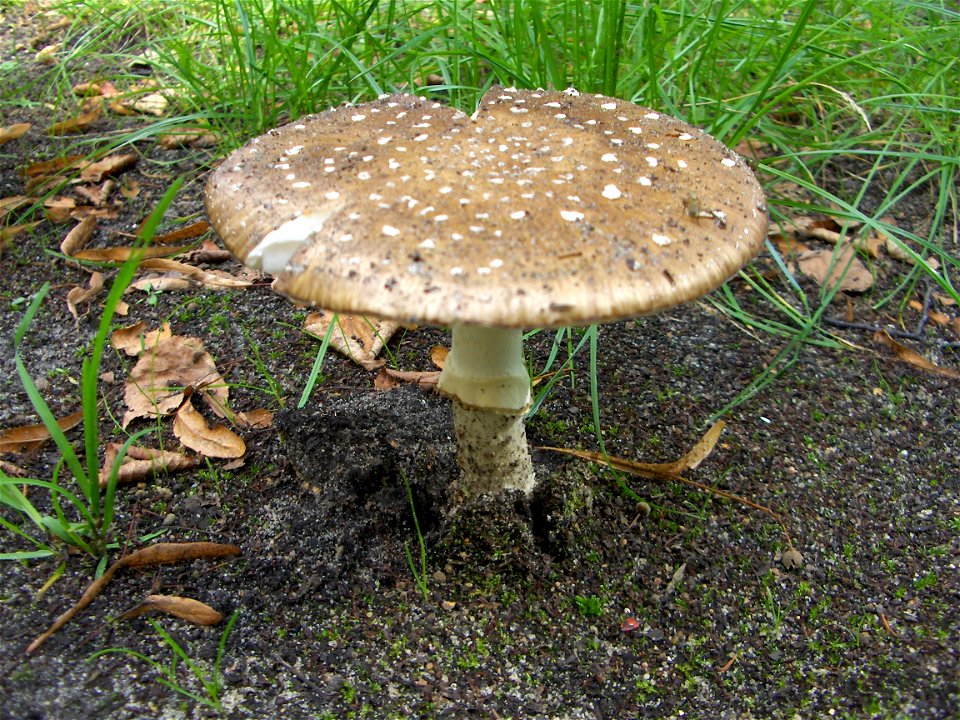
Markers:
(182, 607)
(188, 232)
(158, 382)
(12, 132)
(670, 471)
(161, 283)
(79, 294)
(76, 124)
(12, 470)
(655, 471)
(140, 463)
(155, 104)
(134, 339)
(214, 279)
(121, 254)
(130, 189)
(189, 137)
(210, 252)
(258, 419)
(902, 352)
(828, 268)
(62, 209)
(938, 318)
(94, 89)
(192, 430)
(27, 438)
(359, 338)
(45, 168)
(78, 236)
(9, 233)
(157, 554)
(387, 379)
(11, 203)
(438, 355)
(96, 195)
(111, 165)
(48, 55)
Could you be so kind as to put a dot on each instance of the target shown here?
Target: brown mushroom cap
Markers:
(543, 209)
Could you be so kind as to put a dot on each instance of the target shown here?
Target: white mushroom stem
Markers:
(485, 376)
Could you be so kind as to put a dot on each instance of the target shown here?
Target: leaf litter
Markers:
(670, 471)
(140, 463)
(185, 608)
(150, 556)
(28, 438)
(359, 338)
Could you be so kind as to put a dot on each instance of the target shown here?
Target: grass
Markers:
(865, 93)
(86, 523)
(210, 682)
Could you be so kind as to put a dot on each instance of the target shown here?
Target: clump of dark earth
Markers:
(377, 468)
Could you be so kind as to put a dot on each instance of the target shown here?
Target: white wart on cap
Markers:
(542, 209)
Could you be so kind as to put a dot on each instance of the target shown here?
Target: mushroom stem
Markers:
(485, 375)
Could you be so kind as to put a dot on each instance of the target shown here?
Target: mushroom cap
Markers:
(543, 209)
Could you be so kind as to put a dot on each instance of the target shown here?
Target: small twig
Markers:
(872, 328)
(925, 310)
(892, 331)
(886, 625)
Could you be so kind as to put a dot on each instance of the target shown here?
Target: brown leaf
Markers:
(828, 268)
(47, 55)
(109, 166)
(359, 338)
(11, 203)
(258, 419)
(9, 233)
(94, 89)
(210, 278)
(12, 470)
(155, 104)
(189, 137)
(119, 107)
(656, 471)
(52, 167)
(670, 471)
(96, 195)
(12, 132)
(938, 318)
(388, 378)
(79, 294)
(188, 232)
(161, 283)
(121, 254)
(27, 438)
(76, 124)
(182, 607)
(158, 381)
(902, 352)
(130, 189)
(79, 236)
(192, 430)
(438, 355)
(157, 554)
(209, 252)
(141, 463)
(62, 209)
(133, 339)
(59, 209)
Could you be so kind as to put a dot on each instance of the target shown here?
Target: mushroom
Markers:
(542, 209)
